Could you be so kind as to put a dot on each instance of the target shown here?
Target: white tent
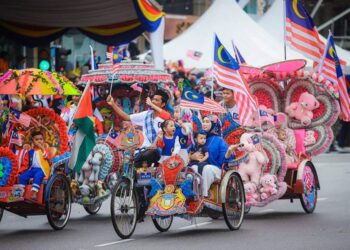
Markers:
(229, 22)
(272, 22)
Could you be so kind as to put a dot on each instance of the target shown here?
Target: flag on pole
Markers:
(193, 100)
(20, 117)
(195, 55)
(238, 55)
(330, 68)
(226, 71)
(301, 33)
(116, 56)
(84, 140)
(16, 138)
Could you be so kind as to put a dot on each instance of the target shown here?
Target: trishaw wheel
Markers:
(308, 198)
(123, 209)
(58, 201)
(93, 209)
(233, 207)
(163, 224)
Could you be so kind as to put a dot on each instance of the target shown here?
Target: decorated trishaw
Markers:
(19, 155)
(129, 82)
(175, 190)
(296, 112)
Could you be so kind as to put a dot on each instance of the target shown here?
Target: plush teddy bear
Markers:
(96, 163)
(266, 116)
(86, 171)
(250, 170)
(302, 110)
(250, 192)
(268, 183)
(310, 138)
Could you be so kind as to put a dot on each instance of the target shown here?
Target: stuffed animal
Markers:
(250, 170)
(250, 192)
(266, 116)
(96, 163)
(86, 171)
(309, 138)
(268, 183)
(100, 190)
(74, 185)
(302, 110)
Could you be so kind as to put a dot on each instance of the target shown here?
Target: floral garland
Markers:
(8, 167)
(52, 121)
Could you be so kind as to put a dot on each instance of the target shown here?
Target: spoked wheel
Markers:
(163, 224)
(93, 209)
(1, 213)
(123, 209)
(309, 198)
(58, 201)
(232, 195)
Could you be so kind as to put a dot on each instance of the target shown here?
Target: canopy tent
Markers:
(37, 22)
(272, 22)
(228, 21)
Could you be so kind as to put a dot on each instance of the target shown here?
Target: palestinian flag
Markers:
(84, 140)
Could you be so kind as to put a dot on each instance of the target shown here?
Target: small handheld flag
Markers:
(191, 95)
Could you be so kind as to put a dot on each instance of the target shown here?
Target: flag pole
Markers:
(284, 32)
(320, 66)
(235, 51)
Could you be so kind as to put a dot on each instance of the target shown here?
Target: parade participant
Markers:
(149, 121)
(39, 166)
(219, 152)
(167, 140)
(69, 111)
(184, 129)
(200, 139)
(230, 104)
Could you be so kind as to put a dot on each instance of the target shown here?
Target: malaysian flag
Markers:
(112, 137)
(16, 138)
(19, 117)
(301, 33)
(238, 55)
(109, 56)
(193, 100)
(330, 68)
(195, 55)
(226, 71)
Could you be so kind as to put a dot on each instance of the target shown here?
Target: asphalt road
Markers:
(280, 225)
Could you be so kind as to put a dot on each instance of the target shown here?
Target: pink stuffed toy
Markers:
(266, 116)
(310, 138)
(302, 110)
(250, 192)
(268, 183)
(251, 169)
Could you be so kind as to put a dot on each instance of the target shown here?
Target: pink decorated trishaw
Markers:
(296, 112)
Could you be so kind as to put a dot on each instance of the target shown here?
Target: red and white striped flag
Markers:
(195, 55)
(330, 68)
(301, 33)
(116, 68)
(109, 56)
(208, 105)
(20, 117)
(228, 75)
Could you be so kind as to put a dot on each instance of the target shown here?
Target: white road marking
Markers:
(195, 225)
(322, 199)
(266, 211)
(115, 242)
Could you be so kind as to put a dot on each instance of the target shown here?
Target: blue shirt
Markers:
(217, 148)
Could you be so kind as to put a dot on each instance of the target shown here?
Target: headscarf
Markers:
(215, 125)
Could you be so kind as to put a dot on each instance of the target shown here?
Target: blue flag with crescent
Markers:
(331, 54)
(296, 12)
(222, 57)
(116, 56)
(192, 96)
